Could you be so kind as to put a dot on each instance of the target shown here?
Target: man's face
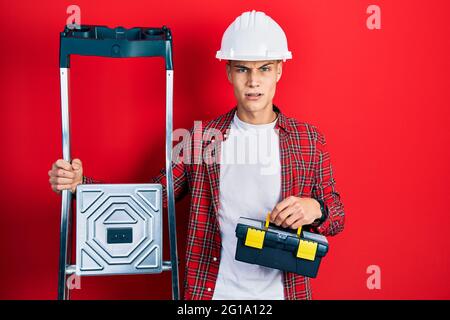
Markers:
(254, 82)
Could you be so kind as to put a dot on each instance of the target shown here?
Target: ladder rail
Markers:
(66, 204)
(169, 186)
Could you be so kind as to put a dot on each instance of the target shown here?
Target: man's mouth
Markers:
(253, 95)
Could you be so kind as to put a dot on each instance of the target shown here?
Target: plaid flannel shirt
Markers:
(305, 172)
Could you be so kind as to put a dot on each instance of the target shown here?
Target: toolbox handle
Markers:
(306, 249)
(299, 230)
(119, 42)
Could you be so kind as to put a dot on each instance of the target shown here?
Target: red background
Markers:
(380, 97)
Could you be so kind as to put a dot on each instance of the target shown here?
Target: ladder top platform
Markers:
(119, 42)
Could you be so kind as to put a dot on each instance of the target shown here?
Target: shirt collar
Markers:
(282, 122)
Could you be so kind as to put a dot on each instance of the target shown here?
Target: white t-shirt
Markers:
(250, 186)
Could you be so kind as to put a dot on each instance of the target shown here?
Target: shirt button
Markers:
(209, 289)
(214, 259)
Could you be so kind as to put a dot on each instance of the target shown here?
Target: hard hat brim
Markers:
(221, 56)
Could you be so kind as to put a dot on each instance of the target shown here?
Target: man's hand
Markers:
(294, 212)
(66, 176)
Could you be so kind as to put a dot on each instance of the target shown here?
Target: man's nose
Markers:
(252, 79)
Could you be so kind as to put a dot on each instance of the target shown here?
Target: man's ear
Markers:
(279, 70)
(228, 69)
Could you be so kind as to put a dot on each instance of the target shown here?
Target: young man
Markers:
(293, 180)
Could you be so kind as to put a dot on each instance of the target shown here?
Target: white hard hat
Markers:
(254, 36)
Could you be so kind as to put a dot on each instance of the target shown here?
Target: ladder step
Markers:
(167, 266)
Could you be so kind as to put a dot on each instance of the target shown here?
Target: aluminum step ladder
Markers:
(93, 40)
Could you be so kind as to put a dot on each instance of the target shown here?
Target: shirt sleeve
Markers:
(179, 182)
(325, 189)
(179, 170)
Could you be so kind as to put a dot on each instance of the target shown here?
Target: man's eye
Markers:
(241, 70)
(265, 69)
